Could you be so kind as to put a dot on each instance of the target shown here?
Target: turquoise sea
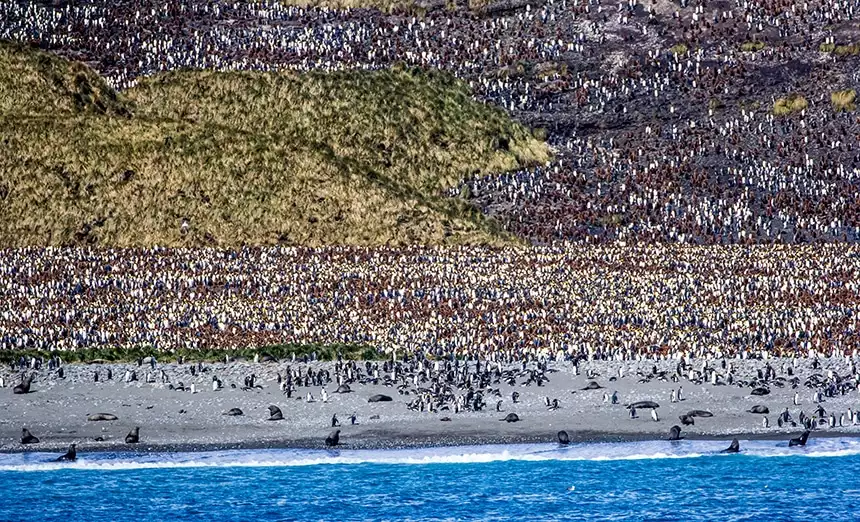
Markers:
(684, 480)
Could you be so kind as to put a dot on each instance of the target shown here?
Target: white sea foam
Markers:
(829, 447)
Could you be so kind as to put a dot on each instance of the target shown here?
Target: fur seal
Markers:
(133, 436)
(233, 412)
(643, 405)
(102, 417)
(445, 419)
(275, 414)
(592, 386)
(563, 438)
(734, 447)
(380, 398)
(686, 420)
(700, 413)
(27, 437)
(333, 439)
(343, 388)
(761, 390)
(675, 433)
(511, 417)
(799, 441)
(759, 408)
(24, 386)
(70, 456)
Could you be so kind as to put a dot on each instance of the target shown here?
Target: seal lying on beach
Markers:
(643, 405)
(511, 417)
(380, 398)
(102, 417)
(759, 409)
(700, 413)
(592, 386)
(675, 433)
(24, 386)
(234, 412)
(275, 414)
(761, 390)
(687, 420)
(333, 439)
(70, 456)
(799, 441)
(27, 437)
(343, 388)
(133, 436)
(734, 447)
(563, 438)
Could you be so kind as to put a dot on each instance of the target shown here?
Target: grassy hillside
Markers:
(244, 158)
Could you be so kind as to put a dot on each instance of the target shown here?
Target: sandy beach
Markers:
(56, 410)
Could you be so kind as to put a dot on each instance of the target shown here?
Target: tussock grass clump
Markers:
(843, 100)
(789, 105)
(752, 47)
(679, 49)
(827, 47)
(358, 158)
(847, 50)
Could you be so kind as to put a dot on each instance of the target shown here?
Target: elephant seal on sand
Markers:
(675, 433)
(643, 405)
(759, 409)
(592, 386)
(133, 436)
(24, 386)
(700, 413)
(563, 438)
(511, 417)
(343, 388)
(333, 439)
(275, 414)
(102, 417)
(71, 455)
(233, 412)
(380, 398)
(799, 441)
(761, 390)
(27, 437)
(734, 447)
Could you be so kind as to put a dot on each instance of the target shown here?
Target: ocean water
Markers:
(683, 480)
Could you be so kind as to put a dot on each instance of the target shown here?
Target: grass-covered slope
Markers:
(355, 157)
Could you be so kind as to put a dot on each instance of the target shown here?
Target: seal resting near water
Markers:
(133, 436)
(70, 456)
(700, 413)
(333, 438)
(233, 412)
(759, 409)
(102, 417)
(24, 386)
(27, 437)
(799, 441)
(734, 447)
(686, 420)
(275, 414)
(675, 433)
(380, 398)
(563, 438)
(511, 417)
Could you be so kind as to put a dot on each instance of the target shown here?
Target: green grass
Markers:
(679, 49)
(752, 46)
(132, 355)
(840, 50)
(789, 105)
(357, 158)
(844, 100)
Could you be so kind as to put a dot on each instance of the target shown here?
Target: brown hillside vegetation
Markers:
(358, 158)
